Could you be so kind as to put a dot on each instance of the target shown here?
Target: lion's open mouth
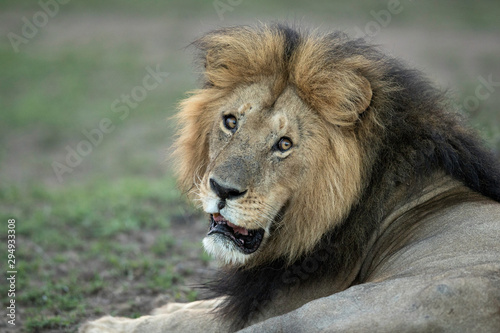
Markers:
(248, 241)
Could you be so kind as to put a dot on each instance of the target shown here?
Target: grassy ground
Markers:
(113, 235)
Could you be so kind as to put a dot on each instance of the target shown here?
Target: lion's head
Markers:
(269, 147)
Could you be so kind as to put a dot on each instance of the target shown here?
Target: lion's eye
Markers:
(285, 144)
(230, 122)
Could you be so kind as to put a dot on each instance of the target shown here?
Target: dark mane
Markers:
(419, 136)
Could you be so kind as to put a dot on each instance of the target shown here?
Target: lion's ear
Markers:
(339, 95)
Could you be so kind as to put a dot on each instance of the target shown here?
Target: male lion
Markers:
(341, 195)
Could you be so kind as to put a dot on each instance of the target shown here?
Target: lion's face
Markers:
(264, 153)
(270, 146)
(256, 163)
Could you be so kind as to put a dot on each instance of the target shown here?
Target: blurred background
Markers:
(87, 91)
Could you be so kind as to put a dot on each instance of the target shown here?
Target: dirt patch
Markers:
(127, 300)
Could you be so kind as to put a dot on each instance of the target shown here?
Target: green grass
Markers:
(80, 241)
(63, 92)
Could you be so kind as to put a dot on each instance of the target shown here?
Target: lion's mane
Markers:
(405, 135)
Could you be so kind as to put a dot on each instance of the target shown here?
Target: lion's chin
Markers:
(224, 251)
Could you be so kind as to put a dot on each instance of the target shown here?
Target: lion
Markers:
(341, 192)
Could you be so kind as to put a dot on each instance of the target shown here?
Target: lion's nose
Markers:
(225, 193)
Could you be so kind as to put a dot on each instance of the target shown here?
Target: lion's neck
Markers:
(395, 229)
